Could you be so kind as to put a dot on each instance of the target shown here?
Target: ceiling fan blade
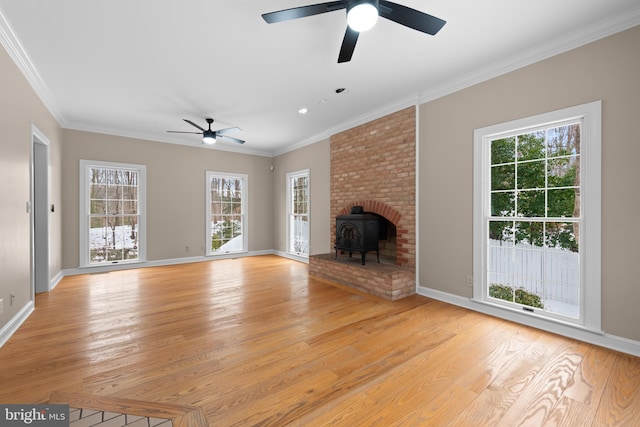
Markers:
(230, 138)
(410, 17)
(178, 131)
(227, 130)
(193, 124)
(348, 45)
(303, 11)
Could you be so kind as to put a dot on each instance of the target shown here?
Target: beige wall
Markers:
(607, 70)
(314, 157)
(19, 108)
(175, 191)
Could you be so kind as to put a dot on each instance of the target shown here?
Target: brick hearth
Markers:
(374, 165)
(387, 281)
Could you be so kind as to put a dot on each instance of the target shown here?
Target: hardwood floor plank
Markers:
(621, 399)
(578, 404)
(540, 395)
(256, 341)
(508, 384)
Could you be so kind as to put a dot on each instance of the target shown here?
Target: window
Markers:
(537, 215)
(298, 213)
(112, 213)
(226, 213)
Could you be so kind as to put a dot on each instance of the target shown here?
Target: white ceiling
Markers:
(137, 68)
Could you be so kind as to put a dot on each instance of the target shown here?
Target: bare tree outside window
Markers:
(113, 214)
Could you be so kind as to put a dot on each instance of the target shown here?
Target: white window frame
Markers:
(590, 235)
(290, 176)
(244, 208)
(85, 166)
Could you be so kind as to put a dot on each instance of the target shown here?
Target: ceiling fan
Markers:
(210, 136)
(361, 16)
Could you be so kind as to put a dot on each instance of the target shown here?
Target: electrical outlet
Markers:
(1, 305)
(186, 249)
(470, 281)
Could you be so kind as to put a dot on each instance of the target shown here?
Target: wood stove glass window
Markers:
(226, 212)
(298, 213)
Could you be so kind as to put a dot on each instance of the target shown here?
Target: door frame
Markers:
(39, 212)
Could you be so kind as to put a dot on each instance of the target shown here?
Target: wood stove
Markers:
(357, 232)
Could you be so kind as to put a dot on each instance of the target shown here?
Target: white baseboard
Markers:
(55, 280)
(12, 326)
(602, 339)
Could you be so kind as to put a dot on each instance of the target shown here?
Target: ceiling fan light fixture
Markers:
(362, 15)
(208, 137)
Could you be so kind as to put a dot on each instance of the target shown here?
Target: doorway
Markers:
(39, 212)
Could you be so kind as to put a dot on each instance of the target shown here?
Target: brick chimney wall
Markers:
(374, 165)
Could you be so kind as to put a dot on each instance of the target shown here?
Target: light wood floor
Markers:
(255, 341)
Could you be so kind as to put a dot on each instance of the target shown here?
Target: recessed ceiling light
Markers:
(303, 111)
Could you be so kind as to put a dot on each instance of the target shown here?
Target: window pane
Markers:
(529, 292)
(562, 202)
(563, 140)
(503, 177)
(503, 151)
(501, 287)
(531, 203)
(97, 176)
(501, 259)
(528, 263)
(500, 231)
(98, 207)
(562, 235)
(531, 174)
(562, 172)
(531, 146)
(129, 207)
(503, 204)
(114, 192)
(530, 233)
(114, 207)
(97, 191)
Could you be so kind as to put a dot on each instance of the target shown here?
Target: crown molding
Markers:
(14, 48)
(608, 27)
